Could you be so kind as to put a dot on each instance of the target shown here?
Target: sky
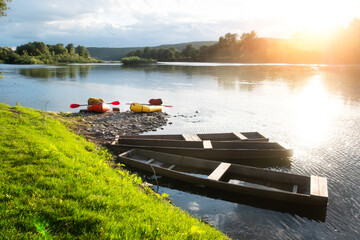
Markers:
(140, 23)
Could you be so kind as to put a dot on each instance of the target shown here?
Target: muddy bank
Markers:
(103, 127)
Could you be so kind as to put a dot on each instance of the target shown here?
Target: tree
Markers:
(248, 36)
(147, 52)
(82, 51)
(4, 52)
(58, 49)
(190, 53)
(3, 7)
(70, 48)
(228, 41)
(227, 46)
(32, 48)
(135, 53)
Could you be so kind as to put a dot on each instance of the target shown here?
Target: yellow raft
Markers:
(139, 108)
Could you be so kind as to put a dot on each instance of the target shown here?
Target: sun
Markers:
(321, 17)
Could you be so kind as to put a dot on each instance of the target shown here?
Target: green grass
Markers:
(56, 185)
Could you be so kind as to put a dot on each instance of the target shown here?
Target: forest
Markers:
(340, 47)
(41, 53)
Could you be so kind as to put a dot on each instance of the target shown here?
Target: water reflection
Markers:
(71, 72)
(315, 109)
(341, 81)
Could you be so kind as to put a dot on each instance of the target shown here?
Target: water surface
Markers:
(314, 109)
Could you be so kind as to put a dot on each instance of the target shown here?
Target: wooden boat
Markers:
(234, 136)
(140, 108)
(232, 152)
(231, 178)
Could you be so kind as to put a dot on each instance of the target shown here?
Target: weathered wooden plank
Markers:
(323, 190)
(126, 153)
(219, 171)
(314, 186)
(240, 136)
(191, 137)
(207, 144)
(149, 161)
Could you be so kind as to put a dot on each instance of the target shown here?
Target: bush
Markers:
(137, 61)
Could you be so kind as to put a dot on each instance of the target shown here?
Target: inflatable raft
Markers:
(99, 107)
(139, 108)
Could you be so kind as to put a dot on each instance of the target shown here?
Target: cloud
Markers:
(120, 23)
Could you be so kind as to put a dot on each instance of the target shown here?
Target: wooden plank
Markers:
(171, 167)
(126, 153)
(116, 140)
(240, 136)
(207, 144)
(314, 186)
(295, 188)
(219, 171)
(149, 161)
(323, 190)
(191, 137)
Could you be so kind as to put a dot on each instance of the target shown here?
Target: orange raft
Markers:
(99, 107)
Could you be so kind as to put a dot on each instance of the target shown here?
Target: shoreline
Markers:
(102, 128)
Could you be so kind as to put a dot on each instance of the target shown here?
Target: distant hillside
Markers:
(115, 54)
(108, 54)
(181, 46)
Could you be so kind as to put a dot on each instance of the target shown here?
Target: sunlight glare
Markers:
(321, 17)
(315, 111)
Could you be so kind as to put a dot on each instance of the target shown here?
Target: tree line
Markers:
(3, 7)
(41, 53)
(343, 47)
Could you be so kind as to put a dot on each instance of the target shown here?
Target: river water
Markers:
(314, 109)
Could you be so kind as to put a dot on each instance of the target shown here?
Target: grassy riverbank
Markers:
(56, 185)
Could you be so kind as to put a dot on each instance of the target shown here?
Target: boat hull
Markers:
(234, 136)
(99, 107)
(232, 152)
(167, 164)
(143, 108)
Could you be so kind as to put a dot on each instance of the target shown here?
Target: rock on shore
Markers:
(103, 127)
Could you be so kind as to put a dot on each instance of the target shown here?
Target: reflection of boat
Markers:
(235, 136)
(139, 108)
(231, 177)
(98, 107)
(233, 152)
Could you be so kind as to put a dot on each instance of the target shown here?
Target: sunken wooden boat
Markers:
(231, 178)
(234, 136)
(233, 152)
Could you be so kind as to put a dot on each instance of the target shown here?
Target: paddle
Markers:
(152, 105)
(74, 105)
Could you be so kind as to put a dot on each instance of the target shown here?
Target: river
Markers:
(314, 109)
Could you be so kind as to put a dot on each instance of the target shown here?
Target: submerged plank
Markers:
(219, 171)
